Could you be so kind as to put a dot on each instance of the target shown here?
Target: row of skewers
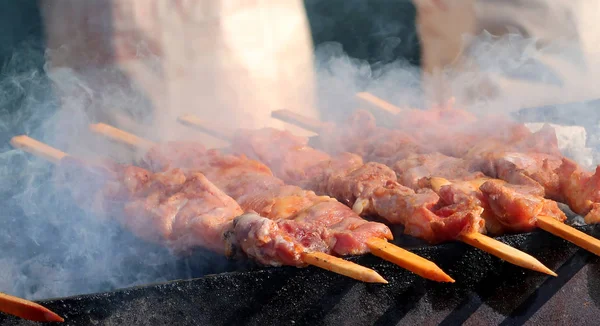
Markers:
(275, 199)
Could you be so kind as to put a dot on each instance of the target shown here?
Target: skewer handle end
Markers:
(299, 120)
(505, 252)
(37, 148)
(569, 233)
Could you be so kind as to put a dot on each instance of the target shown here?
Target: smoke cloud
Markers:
(50, 247)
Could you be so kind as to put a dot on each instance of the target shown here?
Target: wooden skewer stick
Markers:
(343, 267)
(299, 120)
(201, 125)
(483, 242)
(318, 259)
(380, 248)
(216, 131)
(37, 148)
(27, 309)
(505, 252)
(120, 136)
(408, 260)
(377, 103)
(545, 223)
(569, 233)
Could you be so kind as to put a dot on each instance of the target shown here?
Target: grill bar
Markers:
(497, 292)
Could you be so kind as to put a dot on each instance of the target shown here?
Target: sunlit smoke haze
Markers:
(51, 247)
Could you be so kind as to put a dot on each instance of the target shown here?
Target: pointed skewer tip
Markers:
(408, 260)
(569, 233)
(505, 252)
(343, 267)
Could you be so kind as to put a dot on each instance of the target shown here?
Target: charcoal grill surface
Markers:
(487, 291)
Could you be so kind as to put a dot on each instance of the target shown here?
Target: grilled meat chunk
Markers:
(415, 170)
(581, 190)
(306, 219)
(177, 210)
(517, 207)
(370, 189)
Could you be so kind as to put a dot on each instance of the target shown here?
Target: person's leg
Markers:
(379, 31)
(22, 79)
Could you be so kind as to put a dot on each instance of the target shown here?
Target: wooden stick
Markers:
(375, 102)
(37, 148)
(437, 183)
(491, 245)
(27, 309)
(569, 233)
(197, 123)
(318, 259)
(207, 128)
(299, 120)
(505, 252)
(480, 241)
(545, 223)
(380, 248)
(407, 260)
(343, 267)
(120, 136)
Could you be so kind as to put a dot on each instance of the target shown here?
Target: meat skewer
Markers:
(372, 101)
(300, 164)
(518, 156)
(27, 309)
(505, 201)
(376, 245)
(544, 222)
(502, 156)
(194, 212)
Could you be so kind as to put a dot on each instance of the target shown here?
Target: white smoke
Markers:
(49, 247)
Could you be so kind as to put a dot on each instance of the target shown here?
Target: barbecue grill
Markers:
(487, 291)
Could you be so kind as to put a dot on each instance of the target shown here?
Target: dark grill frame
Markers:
(487, 291)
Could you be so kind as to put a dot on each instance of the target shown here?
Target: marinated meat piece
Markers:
(169, 208)
(290, 166)
(416, 211)
(263, 239)
(302, 218)
(350, 138)
(362, 137)
(370, 189)
(458, 219)
(330, 177)
(517, 207)
(529, 169)
(414, 169)
(175, 154)
(355, 188)
(467, 194)
(580, 189)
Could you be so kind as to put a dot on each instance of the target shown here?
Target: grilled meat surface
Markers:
(507, 151)
(177, 210)
(507, 207)
(371, 188)
(183, 210)
(581, 190)
(414, 170)
(517, 207)
(361, 136)
(312, 222)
